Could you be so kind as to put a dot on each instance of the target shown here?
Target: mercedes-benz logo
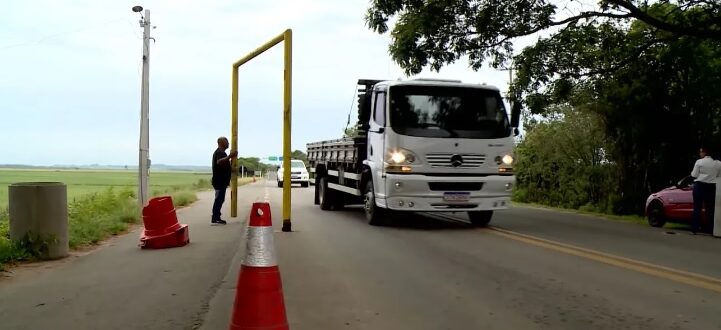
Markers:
(456, 160)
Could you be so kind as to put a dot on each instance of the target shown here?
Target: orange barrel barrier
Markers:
(162, 229)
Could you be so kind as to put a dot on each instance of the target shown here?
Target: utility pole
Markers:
(510, 82)
(144, 145)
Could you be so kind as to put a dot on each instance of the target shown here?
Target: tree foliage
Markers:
(439, 32)
(351, 131)
(300, 155)
(562, 161)
(657, 110)
(252, 164)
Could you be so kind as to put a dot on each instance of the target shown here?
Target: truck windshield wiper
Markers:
(450, 131)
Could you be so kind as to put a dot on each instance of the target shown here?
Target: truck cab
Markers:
(430, 146)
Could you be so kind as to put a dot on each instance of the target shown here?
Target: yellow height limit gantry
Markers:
(286, 37)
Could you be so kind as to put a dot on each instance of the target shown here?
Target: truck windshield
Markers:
(448, 112)
(296, 164)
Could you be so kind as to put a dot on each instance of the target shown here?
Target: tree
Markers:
(350, 131)
(300, 155)
(562, 161)
(436, 33)
(657, 110)
(252, 164)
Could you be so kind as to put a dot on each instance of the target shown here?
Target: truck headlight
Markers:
(507, 159)
(400, 156)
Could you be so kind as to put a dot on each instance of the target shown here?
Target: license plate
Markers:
(456, 196)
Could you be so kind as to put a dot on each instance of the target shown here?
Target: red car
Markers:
(673, 204)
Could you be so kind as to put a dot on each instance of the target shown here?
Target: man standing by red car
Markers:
(705, 172)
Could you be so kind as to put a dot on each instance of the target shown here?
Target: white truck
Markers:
(421, 146)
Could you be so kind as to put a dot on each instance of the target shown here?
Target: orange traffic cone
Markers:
(259, 293)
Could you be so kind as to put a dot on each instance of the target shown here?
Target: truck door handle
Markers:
(371, 151)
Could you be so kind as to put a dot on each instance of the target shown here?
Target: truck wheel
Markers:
(338, 201)
(316, 198)
(480, 218)
(325, 195)
(280, 184)
(374, 214)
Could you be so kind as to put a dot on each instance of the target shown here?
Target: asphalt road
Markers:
(423, 273)
(120, 286)
(537, 270)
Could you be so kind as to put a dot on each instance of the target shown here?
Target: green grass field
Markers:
(85, 182)
(100, 204)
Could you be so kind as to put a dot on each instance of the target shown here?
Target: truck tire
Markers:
(325, 194)
(480, 218)
(374, 214)
(280, 184)
(316, 198)
(339, 200)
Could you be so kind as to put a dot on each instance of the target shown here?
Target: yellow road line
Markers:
(693, 279)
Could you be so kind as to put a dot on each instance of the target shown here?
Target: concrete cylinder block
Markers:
(39, 211)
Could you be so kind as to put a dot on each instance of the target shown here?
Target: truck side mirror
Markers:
(515, 114)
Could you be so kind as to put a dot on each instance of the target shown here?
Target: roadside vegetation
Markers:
(96, 216)
(85, 182)
(606, 143)
(617, 97)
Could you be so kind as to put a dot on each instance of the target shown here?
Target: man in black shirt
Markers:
(221, 177)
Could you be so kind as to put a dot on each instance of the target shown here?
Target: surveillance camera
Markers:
(138, 9)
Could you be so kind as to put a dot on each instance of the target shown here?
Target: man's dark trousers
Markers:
(218, 203)
(704, 194)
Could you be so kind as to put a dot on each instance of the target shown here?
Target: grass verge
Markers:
(623, 218)
(96, 217)
(635, 219)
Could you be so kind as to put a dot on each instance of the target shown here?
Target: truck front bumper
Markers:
(421, 193)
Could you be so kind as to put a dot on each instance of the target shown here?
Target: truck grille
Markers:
(455, 186)
(445, 160)
(295, 173)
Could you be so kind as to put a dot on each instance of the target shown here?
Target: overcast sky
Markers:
(70, 77)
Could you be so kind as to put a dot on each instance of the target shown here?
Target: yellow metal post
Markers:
(259, 50)
(234, 146)
(288, 59)
(287, 37)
